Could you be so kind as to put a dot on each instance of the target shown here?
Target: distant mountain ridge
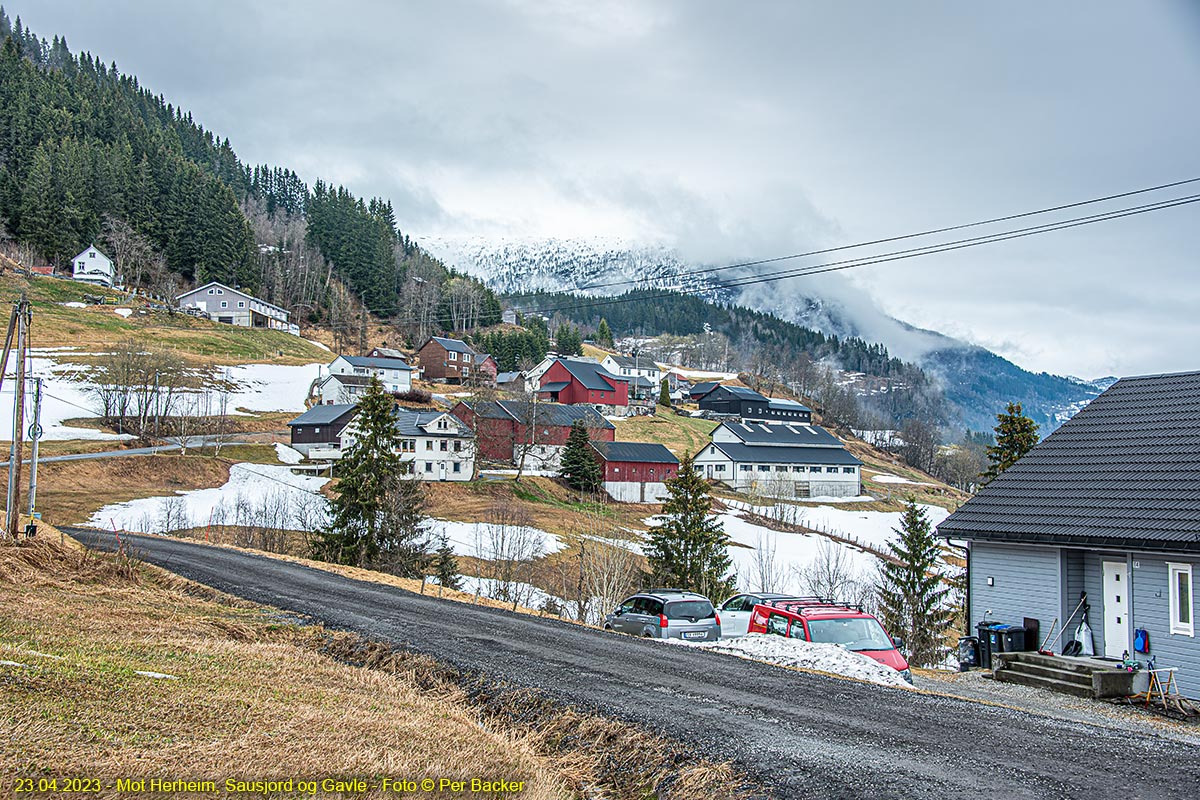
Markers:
(977, 383)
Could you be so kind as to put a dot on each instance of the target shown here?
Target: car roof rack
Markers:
(666, 591)
(801, 604)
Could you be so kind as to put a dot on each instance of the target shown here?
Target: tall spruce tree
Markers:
(604, 336)
(664, 394)
(579, 468)
(689, 549)
(355, 532)
(912, 597)
(1016, 435)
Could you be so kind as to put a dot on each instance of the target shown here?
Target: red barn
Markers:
(572, 381)
(634, 471)
(502, 427)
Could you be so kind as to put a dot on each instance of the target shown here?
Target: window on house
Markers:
(848, 470)
(220, 291)
(210, 291)
(92, 254)
(457, 466)
(224, 304)
(1182, 619)
(453, 356)
(241, 303)
(445, 446)
(719, 468)
(429, 466)
(316, 430)
(458, 447)
(744, 467)
(781, 469)
(764, 468)
(831, 469)
(797, 469)
(466, 358)
(429, 444)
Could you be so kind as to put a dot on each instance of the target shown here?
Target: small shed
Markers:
(634, 472)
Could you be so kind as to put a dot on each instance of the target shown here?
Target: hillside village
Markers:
(301, 502)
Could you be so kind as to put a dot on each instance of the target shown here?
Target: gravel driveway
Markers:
(801, 735)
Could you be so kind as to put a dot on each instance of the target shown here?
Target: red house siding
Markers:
(637, 471)
(576, 392)
(495, 438)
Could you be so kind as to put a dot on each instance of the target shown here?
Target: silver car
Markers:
(666, 614)
(735, 612)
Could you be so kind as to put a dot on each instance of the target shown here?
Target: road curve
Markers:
(801, 735)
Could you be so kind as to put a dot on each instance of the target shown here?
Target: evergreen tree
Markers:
(912, 597)
(604, 336)
(664, 394)
(689, 549)
(579, 468)
(403, 541)
(1016, 434)
(355, 532)
(445, 565)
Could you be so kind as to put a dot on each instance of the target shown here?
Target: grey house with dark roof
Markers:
(780, 460)
(1108, 504)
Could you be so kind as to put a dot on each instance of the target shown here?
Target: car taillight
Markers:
(718, 617)
(662, 620)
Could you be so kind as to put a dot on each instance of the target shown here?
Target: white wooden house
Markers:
(394, 373)
(434, 445)
(92, 266)
(780, 460)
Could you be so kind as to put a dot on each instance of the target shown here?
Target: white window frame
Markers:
(1178, 627)
(453, 356)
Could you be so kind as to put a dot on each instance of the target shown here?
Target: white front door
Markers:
(1116, 609)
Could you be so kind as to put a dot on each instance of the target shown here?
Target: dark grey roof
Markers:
(630, 362)
(643, 382)
(555, 414)
(747, 454)
(457, 345)
(507, 377)
(324, 415)
(1123, 472)
(742, 393)
(555, 386)
(591, 374)
(763, 434)
(783, 404)
(388, 352)
(644, 452)
(378, 363)
(703, 388)
(409, 422)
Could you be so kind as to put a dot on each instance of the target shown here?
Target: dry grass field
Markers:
(115, 670)
(677, 433)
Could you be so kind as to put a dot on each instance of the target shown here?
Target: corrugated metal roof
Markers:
(591, 374)
(555, 414)
(555, 386)
(323, 415)
(409, 422)
(1124, 471)
(773, 434)
(457, 345)
(644, 452)
(378, 363)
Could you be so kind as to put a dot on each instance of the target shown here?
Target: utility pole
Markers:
(14, 458)
(35, 435)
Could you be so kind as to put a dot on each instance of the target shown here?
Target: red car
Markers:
(821, 620)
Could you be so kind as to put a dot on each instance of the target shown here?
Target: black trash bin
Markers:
(988, 643)
(1012, 638)
(968, 652)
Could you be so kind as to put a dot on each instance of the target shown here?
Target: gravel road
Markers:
(801, 735)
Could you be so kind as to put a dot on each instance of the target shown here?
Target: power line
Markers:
(898, 255)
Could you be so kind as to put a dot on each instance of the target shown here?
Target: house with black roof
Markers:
(511, 431)
(394, 374)
(744, 403)
(317, 433)
(634, 472)
(1108, 504)
(780, 460)
(584, 380)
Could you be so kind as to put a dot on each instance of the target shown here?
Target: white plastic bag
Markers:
(1084, 637)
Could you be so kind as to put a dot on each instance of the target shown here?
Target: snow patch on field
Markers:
(888, 478)
(873, 528)
(252, 493)
(805, 655)
(270, 387)
(287, 455)
(489, 542)
(63, 398)
(123, 312)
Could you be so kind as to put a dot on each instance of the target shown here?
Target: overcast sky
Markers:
(735, 130)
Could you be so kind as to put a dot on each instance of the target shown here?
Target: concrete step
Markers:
(1038, 682)
(1084, 667)
(1054, 673)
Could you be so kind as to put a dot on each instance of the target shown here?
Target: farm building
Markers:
(634, 471)
(780, 460)
(503, 431)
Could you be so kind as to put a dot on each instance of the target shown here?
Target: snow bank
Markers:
(488, 542)
(785, 652)
(123, 312)
(74, 304)
(287, 455)
(63, 397)
(526, 594)
(318, 344)
(251, 491)
(887, 478)
(872, 528)
(269, 387)
(703, 375)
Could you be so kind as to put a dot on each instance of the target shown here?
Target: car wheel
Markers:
(607, 627)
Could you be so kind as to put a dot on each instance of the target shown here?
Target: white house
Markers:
(235, 307)
(394, 373)
(780, 460)
(635, 367)
(435, 445)
(92, 266)
(334, 389)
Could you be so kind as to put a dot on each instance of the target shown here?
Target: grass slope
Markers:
(677, 433)
(98, 328)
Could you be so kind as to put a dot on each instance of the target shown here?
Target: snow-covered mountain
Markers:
(976, 381)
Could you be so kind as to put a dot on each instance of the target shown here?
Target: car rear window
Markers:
(690, 609)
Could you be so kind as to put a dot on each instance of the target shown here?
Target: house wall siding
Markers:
(1151, 610)
(1027, 583)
